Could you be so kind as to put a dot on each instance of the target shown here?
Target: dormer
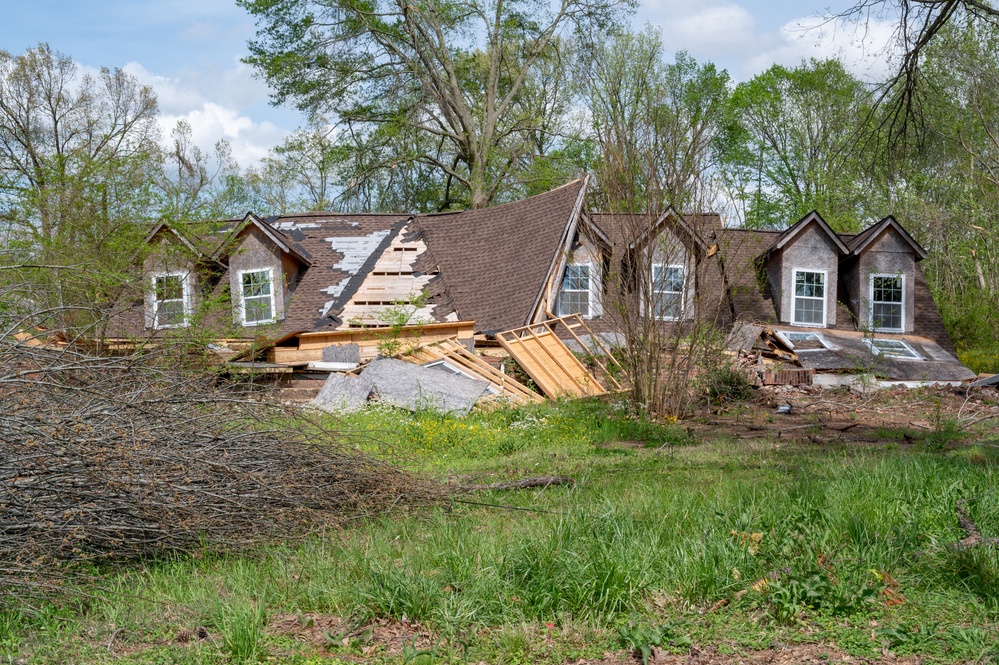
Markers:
(879, 276)
(586, 264)
(170, 272)
(802, 269)
(665, 254)
(264, 267)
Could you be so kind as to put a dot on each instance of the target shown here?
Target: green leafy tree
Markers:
(791, 146)
(76, 158)
(655, 123)
(456, 78)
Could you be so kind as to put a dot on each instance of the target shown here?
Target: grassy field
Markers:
(674, 537)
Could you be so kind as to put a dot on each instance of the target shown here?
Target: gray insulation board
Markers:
(413, 387)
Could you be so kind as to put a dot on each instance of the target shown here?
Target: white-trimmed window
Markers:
(171, 301)
(888, 303)
(804, 341)
(809, 298)
(580, 293)
(256, 302)
(891, 348)
(667, 291)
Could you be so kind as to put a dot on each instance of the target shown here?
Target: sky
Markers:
(189, 51)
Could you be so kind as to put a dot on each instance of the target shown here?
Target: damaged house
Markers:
(306, 282)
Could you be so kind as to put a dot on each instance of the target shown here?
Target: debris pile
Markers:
(446, 376)
(112, 458)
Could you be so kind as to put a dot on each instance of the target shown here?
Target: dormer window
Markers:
(667, 291)
(887, 303)
(579, 294)
(810, 298)
(256, 302)
(171, 302)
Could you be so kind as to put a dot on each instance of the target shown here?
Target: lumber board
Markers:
(455, 353)
(547, 360)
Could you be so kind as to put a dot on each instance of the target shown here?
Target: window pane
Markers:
(170, 313)
(810, 284)
(169, 287)
(893, 349)
(577, 278)
(668, 305)
(256, 284)
(887, 316)
(667, 278)
(888, 289)
(258, 309)
(808, 310)
(574, 302)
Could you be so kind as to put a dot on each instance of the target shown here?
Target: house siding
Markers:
(255, 251)
(167, 256)
(888, 254)
(812, 249)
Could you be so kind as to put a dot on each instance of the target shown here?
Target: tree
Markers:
(71, 147)
(457, 73)
(790, 146)
(76, 156)
(656, 123)
(192, 186)
(919, 23)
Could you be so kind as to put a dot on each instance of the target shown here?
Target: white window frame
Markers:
(593, 305)
(186, 297)
(878, 352)
(795, 296)
(242, 301)
(783, 334)
(870, 318)
(682, 292)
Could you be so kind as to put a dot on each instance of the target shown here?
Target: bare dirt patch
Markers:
(818, 416)
(331, 633)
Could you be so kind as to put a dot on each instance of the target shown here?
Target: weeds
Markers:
(241, 626)
(641, 641)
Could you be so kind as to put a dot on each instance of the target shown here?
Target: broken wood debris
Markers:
(973, 537)
(525, 483)
(552, 366)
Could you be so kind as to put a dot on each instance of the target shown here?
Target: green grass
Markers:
(651, 537)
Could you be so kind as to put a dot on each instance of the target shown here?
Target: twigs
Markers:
(525, 483)
(119, 458)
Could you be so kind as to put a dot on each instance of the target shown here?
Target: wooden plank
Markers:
(607, 353)
(534, 363)
(546, 359)
(548, 343)
(456, 354)
(460, 355)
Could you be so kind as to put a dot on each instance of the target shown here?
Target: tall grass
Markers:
(780, 535)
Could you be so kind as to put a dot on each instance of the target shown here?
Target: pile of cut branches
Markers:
(119, 458)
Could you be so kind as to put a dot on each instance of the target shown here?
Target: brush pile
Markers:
(118, 458)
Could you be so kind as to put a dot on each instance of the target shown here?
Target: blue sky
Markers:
(189, 51)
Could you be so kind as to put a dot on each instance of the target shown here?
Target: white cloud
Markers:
(718, 30)
(217, 103)
(746, 37)
(250, 140)
(864, 50)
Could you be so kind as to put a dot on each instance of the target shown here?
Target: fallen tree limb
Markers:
(973, 537)
(523, 484)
